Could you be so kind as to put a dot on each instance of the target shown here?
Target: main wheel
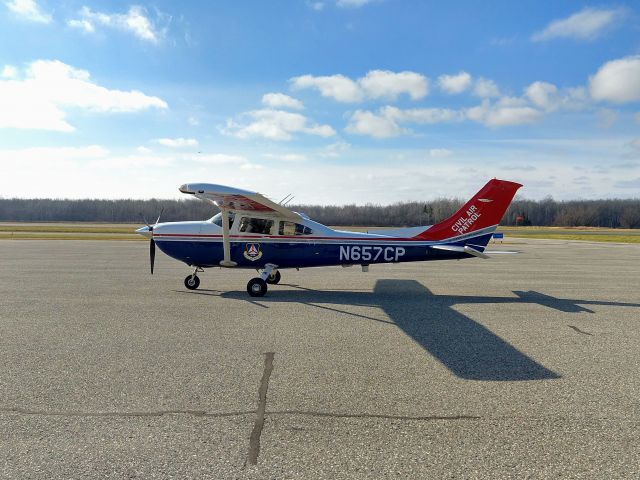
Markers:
(192, 282)
(257, 287)
(274, 278)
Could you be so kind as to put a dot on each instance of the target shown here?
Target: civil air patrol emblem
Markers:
(252, 251)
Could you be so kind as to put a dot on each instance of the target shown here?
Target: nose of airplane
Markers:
(145, 232)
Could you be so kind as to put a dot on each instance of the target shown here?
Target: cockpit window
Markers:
(217, 219)
(291, 228)
(256, 225)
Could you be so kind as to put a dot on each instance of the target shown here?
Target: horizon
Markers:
(335, 101)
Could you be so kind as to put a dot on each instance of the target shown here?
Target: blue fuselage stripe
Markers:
(308, 253)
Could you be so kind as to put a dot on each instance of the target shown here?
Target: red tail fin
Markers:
(484, 210)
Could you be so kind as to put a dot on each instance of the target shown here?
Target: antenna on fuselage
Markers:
(280, 202)
(287, 202)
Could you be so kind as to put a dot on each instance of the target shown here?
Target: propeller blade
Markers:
(152, 253)
(158, 219)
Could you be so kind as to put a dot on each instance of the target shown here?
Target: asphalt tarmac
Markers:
(522, 366)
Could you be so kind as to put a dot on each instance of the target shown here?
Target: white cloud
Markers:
(178, 142)
(286, 157)
(454, 83)
(29, 10)
(586, 24)
(386, 123)
(219, 159)
(376, 84)
(84, 25)
(40, 99)
(317, 6)
(363, 122)
(280, 100)
(543, 95)
(135, 21)
(389, 85)
(193, 121)
(485, 88)
(143, 150)
(9, 71)
(338, 87)
(275, 125)
(422, 115)
(506, 112)
(617, 81)
(53, 154)
(440, 153)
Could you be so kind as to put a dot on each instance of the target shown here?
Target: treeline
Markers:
(615, 213)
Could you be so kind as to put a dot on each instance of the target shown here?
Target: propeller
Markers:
(152, 243)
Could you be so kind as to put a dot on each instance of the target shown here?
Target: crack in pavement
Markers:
(254, 439)
(373, 415)
(203, 413)
(159, 413)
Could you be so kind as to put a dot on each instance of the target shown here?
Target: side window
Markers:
(256, 225)
(291, 228)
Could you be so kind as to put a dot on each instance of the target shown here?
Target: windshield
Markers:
(217, 219)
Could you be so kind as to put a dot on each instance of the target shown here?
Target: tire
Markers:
(274, 278)
(192, 282)
(257, 287)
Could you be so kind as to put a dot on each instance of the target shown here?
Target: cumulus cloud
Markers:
(275, 125)
(364, 122)
(29, 10)
(178, 142)
(376, 84)
(454, 83)
(280, 100)
(136, 21)
(617, 81)
(338, 87)
(50, 87)
(386, 123)
(485, 88)
(587, 24)
(505, 112)
(390, 85)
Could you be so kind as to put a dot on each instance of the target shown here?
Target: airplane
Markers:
(251, 231)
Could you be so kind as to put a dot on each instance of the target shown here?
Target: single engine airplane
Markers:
(254, 232)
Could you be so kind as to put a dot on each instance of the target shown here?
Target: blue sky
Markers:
(334, 101)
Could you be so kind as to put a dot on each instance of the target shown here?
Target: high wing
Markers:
(229, 199)
(237, 200)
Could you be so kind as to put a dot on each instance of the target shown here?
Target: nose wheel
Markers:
(192, 282)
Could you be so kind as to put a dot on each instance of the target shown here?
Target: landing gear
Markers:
(192, 281)
(257, 287)
(274, 278)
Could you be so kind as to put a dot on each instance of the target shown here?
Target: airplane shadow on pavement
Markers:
(468, 349)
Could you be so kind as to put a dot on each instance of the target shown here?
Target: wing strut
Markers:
(226, 243)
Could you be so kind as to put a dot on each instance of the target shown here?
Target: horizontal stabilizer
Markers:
(461, 249)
